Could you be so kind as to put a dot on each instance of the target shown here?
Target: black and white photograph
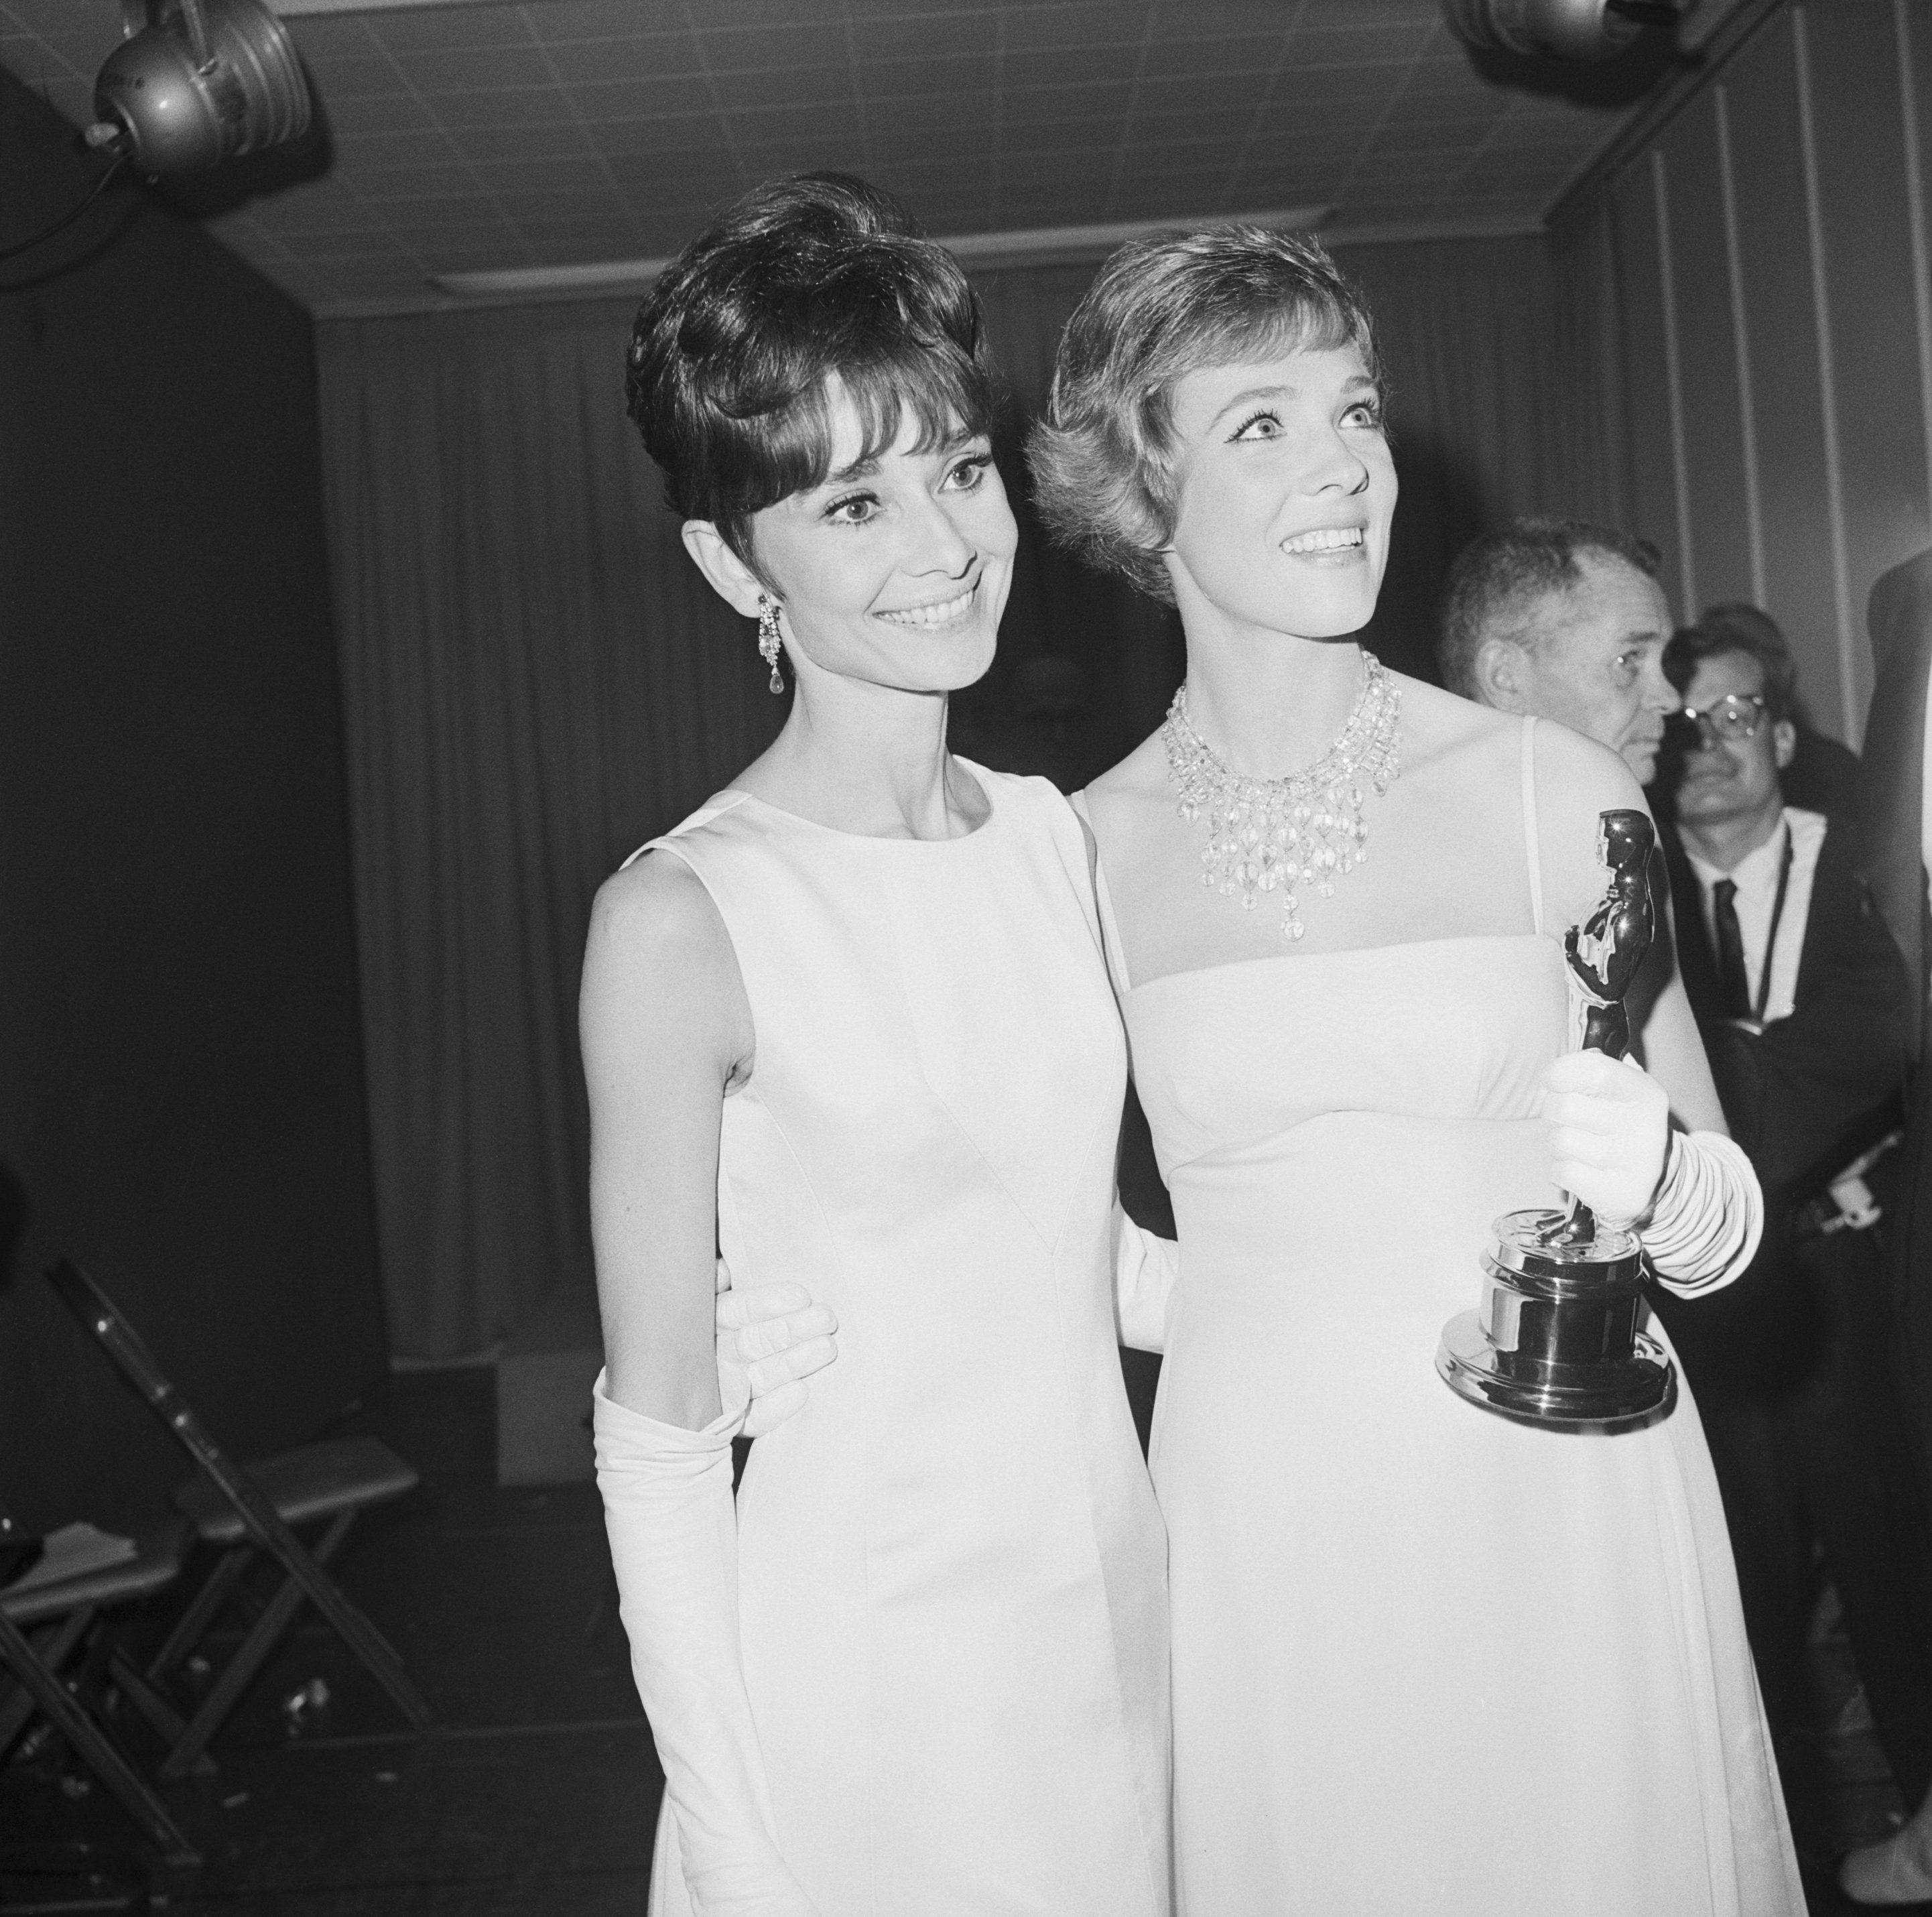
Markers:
(965, 958)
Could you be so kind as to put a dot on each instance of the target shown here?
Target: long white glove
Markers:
(771, 1338)
(1692, 1196)
(673, 1528)
(1609, 1133)
(1146, 1269)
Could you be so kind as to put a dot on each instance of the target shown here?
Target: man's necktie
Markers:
(1733, 985)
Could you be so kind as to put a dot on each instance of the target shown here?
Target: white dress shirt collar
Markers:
(1757, 877)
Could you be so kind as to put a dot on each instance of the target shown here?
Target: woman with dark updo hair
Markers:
(851, 1021)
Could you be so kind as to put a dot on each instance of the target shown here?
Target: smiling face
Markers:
(1726, 781)
(1286, 489)
(893, 571)
(1595, 660)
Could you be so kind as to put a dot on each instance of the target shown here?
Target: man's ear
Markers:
(728, 576)
(1499, 675)
(1783, 743)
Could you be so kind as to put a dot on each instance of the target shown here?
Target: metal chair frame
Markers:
(37, 1659)
(263, 1525)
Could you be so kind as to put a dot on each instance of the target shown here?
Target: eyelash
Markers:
(1370, 408)
(976, 463)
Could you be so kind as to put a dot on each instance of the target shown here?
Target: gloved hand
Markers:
(771, 1338)
(1609, 1133)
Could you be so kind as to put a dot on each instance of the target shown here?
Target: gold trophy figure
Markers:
(1555, 1342)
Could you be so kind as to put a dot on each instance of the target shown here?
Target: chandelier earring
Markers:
(768, 638)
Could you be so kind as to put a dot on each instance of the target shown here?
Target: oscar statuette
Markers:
(1555, 1342)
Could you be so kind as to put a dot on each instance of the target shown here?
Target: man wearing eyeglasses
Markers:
(1800, 1000)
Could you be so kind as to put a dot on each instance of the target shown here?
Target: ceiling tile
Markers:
(671, 59)
(777, 86)
(1058, 104)
(550, 175)
(768, 48)
(613, 19)
(452, 29)
(374, 113)
(604, 102)
(357, 74)
(1211, 98)
(1214, 20)
(476, 69)
(325, 37)
(564, 144)
(427, 191)
(637, 140)
(359, 154)
(935, 117)
(1361, 46)
(500, 133)
(1240, 53)
(1089, 23)
(934, 37)
(795, 128)
(886, 80)
(527, 110)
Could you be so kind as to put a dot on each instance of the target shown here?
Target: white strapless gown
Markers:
(1426, 1663)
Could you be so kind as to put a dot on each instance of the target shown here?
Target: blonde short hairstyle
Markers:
(1106, 468)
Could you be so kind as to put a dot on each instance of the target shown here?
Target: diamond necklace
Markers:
(1268, 835)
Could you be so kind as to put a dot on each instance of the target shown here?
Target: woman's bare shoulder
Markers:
(1574, 772)
(1445, 735)
(657, 938)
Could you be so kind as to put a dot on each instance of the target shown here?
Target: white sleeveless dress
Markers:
(1426, 1663)
(951, 1571)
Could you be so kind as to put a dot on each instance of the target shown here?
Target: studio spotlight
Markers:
(1557, 29)
(194, 83)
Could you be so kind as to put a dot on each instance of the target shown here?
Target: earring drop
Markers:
(768, 638)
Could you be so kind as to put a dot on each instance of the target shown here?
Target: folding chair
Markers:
(244, 1512)
(42, 1628)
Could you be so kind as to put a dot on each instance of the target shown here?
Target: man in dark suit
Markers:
(1801, 999)
(1893, 806)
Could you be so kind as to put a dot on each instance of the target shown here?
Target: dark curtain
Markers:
(537, 680)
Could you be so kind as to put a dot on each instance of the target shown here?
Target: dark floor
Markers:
(538, 1795)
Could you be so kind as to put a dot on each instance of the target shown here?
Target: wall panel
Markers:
(1852, 59)
(1707, 359)
(1648, 369)
(1761, 108)
(1772, 281)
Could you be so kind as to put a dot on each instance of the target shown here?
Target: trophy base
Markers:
(1555, 1342)
(1616, 1395)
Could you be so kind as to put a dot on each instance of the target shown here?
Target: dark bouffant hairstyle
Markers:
(1737, 627)
(1498, 582)
(1105, 470)
(801, 281)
